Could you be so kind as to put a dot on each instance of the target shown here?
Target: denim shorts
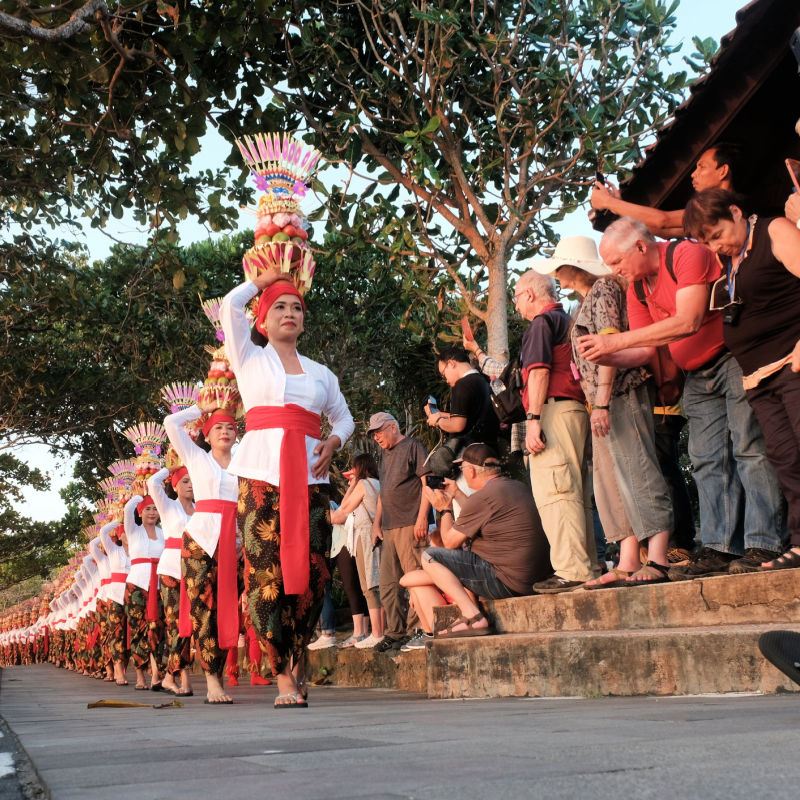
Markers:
(472, 571)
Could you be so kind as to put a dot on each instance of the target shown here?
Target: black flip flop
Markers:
(217, 702)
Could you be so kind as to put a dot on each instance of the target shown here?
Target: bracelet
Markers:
(602, 408)
(446, 511)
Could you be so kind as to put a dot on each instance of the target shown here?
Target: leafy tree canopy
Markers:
(103, 106)
(477, 124)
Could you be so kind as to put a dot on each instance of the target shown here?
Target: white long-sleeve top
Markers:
(92, 576)
(173, 523)
(262, 381)
(209, 480)
(103, 568)
(82, 592)
(120, 564)
(140, 545)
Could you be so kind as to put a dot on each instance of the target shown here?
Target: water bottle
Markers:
(497, 385)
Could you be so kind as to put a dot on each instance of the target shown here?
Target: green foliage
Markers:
(27, 549)
(476, 124)
(705, 50)
(103, 117)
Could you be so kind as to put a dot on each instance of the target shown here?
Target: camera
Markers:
(434, 481)
(731, 314)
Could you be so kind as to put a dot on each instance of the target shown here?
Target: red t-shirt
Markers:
(692, 264)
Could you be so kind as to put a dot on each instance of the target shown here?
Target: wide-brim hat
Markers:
(573, 251)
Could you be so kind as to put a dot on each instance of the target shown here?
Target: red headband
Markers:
(177, 475)
(148, 501)
(268, 298)
(217, 416)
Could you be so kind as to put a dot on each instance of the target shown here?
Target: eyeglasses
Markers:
(517, 295)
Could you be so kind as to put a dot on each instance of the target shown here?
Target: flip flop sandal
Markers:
(298, 703)
(648, 569)
(620, 576)
(218, 702)
(470, 630)
(789, 560)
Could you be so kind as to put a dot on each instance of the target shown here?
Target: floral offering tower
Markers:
(281, 167)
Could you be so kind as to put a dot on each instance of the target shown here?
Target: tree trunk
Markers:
(497, 306)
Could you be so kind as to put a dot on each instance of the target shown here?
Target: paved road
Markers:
(388, 745)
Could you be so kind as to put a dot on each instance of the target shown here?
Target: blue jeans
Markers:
(472, 571)
(328, 616)
(741, 505)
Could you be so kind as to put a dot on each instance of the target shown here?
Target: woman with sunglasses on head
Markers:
(759, 296)
(209, 558)
(282, 465)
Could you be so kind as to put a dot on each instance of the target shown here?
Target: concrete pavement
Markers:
(389, 745)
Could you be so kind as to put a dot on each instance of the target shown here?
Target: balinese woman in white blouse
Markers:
(209, 560)
(145, 545)
(116, 630)
(174, 514)
(282, 465)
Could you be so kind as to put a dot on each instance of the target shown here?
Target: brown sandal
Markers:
(470, 630)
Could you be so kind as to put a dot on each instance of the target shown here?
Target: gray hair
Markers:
(541, 285)
(625, 232)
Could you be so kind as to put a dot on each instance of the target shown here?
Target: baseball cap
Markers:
(378, 420)
(479, 455)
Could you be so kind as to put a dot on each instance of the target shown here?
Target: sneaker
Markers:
(555, 584)
(751, 560)
(417, 641)
(678, 556)
(704, 563)
(368, 642)
(387, 644)
(325, 640)
(352, 641)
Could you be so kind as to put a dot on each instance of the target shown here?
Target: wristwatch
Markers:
(533, 416)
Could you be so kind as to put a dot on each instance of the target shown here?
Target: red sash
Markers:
(151, 614)
(297, 423)
(227, 567)
(105, 581)
(173, 543)
(119, 577)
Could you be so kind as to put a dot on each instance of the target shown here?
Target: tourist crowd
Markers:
(217, 548)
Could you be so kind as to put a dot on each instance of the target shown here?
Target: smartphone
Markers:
(434, 481)
(432, 405)
(793, 165)
(466, 329)
(600, 178)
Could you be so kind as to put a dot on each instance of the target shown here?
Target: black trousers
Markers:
(776, 404)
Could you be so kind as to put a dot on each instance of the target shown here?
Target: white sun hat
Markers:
(573, 251)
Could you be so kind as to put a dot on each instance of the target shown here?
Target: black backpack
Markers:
(507, 403)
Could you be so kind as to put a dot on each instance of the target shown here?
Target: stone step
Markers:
(754, 598)
(656, 661)
(366, 668)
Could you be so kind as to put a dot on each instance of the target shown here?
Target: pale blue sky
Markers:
(695, 17)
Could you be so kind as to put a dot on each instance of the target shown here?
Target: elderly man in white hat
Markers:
(557, 435)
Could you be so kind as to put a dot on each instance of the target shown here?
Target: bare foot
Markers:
(168, 683)
(214, 691)
(119, 674)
